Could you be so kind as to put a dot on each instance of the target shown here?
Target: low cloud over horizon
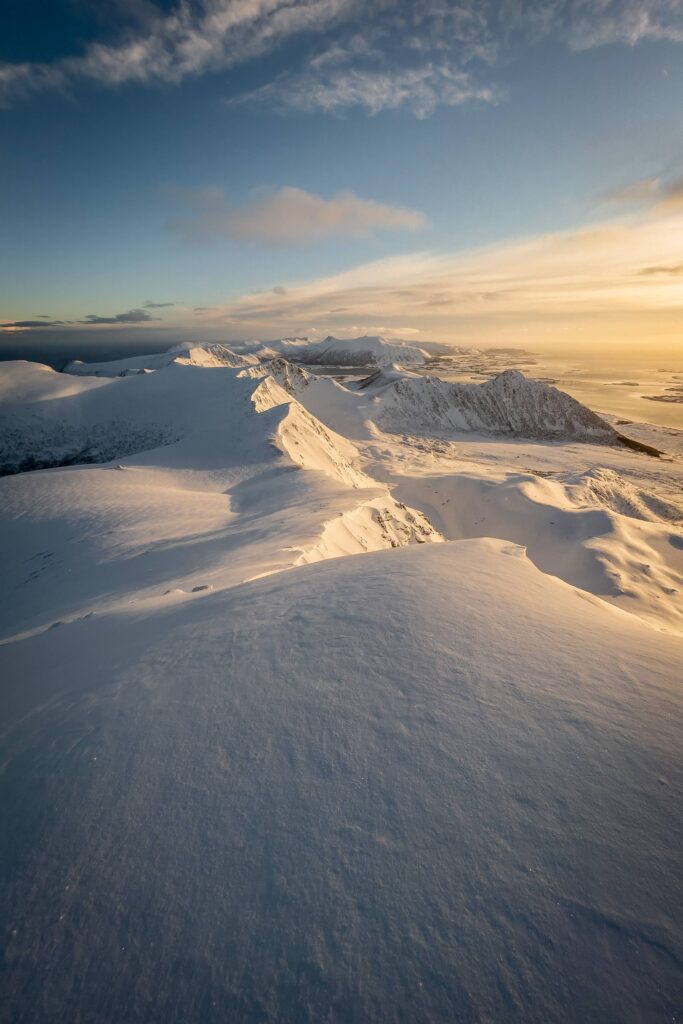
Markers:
(131, 316)
(617, 279)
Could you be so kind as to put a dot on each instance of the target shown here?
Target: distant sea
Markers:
(57, 354)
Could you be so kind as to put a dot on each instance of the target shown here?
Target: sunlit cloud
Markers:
(598, 278)
(659, 191)
(671, 271)
(616, 282)
(289, 216)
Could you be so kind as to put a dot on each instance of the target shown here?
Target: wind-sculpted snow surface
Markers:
(340, 407)
(424, 785)
(608, 488)
(596, 531)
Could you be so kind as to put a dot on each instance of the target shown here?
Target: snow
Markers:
(570, 529)
(221, 501)
(186, 354)
(403, 402)
(369, 350)
(384, 376)
(340, 703)
(49, 418)
(421, 784)
(510, 403)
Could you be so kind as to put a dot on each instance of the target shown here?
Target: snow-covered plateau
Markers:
(335, 701)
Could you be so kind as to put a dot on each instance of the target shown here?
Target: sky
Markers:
(470, 172)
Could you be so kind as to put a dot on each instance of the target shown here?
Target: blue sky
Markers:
(346, 155)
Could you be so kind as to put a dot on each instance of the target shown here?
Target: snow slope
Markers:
(221, 501)
(49, 418)
(190, 354)
(594, 530)
(422, 785)
(333, 403)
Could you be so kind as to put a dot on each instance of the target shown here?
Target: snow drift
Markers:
(596, 531)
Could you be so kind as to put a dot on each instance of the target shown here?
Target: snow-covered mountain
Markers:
(402, 402)
(509, 403)
(370, 350)
(598, 547)
(435, 776)
(184, 451)
(208, 354)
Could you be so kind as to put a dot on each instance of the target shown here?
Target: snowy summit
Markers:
(365, 351)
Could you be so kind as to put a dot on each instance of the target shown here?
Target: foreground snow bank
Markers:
(423, 785)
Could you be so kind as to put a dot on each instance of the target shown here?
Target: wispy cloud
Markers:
(426, 51)
(670, 271)
(191, 39)
(289, 216)
(160, 305)
(660, 192)
(418, 89)
(128, 318)
(591, 23)
(618, 281)
(17, 81)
